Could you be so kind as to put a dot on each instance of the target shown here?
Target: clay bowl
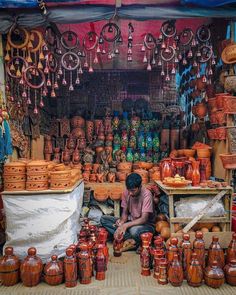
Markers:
(116, 194)
(100, 194)
(189, 152)
(145, 165)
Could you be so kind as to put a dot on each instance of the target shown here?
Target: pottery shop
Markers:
(102, 102)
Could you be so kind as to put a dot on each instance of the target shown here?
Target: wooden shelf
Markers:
(206, 220)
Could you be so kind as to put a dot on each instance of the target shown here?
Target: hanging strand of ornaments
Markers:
(90, 45)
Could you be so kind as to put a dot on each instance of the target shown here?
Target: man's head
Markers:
(133, 184)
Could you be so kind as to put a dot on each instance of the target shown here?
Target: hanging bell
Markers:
(210, 72)
(70, 57)
(167, 78)
(71, 88)
(28, 101)
(129, 58)
(179, 56)
(30, 45)
(213, 61)
(41, 104)
(204, 79)
(163, 45)
(49, 83)
(145, 58)
(29, 59)
(143, 48)
(198, 75)
(53, 93)
(40, 65)
(36, 110)
(46, 70)
(193, 44)
(44, 93)
(17, 62)
(167, 50)
(120, 39)
(173, 71)
(162, 73)
(130, 38)
(129, 51)
(21, 82)
(198, 54)
(174, 45)
(176, 60)
(45, 47)
(79, 53)
(194, 64)
(56, 86)
(80, 71)
(18, 73)
(149, 68)
(59, 51)
(12, 98)
(190, 54)
(64, 83)
(160, 37)
(184, 61)
(98, 50)
(95, 61)
(153, 61)
(156, 51)
(59, 72)
(7, 87)
(117, 51)
(41, 56)
(90, 69)
(100, 41)
(24, 94)
(77, 81)
(103, 51)
(86, 64)
(159, 63)
(7, 57)
(109, 56)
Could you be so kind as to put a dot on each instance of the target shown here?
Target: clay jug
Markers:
(175, 272)
(162, 279)
(31, 269)
(173, 249)
(195, 272)
(231, 250)
(186, 252)
(53, 271)
(100, 263)
(9, 268)
(196, 174)
(165, 169)
(213, 275)
(216, 253)
(70, 269)
(199, 248)
(230, 272)
(84, 264)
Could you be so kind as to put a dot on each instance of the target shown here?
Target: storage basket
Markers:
(228, 161)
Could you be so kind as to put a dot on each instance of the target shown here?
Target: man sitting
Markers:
(137, 214)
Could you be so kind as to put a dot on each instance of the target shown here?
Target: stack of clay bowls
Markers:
(37, 175)
(14, 176)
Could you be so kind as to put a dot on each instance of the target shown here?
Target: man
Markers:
(137, 214)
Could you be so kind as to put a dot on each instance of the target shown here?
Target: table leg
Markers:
(171, 211)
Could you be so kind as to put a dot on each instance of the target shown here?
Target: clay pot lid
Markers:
(199, 235)
(14, 164)
(8, 251)
(37, 163)
(32, 251)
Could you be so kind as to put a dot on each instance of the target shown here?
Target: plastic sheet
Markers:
(191, 206)
(49, 222)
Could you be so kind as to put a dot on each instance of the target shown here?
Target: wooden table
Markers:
(172, 192)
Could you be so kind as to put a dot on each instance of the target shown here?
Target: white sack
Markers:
(48, 222)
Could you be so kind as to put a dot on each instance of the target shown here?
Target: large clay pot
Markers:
(84, 264)
(213, 275)
(230, 272)
(9, 268)
(31, 269)
(53, 271)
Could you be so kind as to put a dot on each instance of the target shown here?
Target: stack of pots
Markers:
(14, 176)
(124, 169)
(37, 175)
(61, 179)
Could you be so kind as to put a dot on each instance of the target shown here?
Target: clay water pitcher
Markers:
(186, 252)
(216, 253)
(199, 248)
(70, 268)
(53, 271)
(213, 275)
(195, 272)
(196, 173)
(84, 264)
(230, 272)
(100, 263)
(31, 269)
(231, 250)
(9, 268)
(173, 249)
(175, 272)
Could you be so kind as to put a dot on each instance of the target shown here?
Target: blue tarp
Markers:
(28, 3)
(209, 3)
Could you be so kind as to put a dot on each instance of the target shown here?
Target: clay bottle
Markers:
(230, 272)
(196, 173)
(195, 272)
(70, 269)
(231, 251)
(158, 254)
(199, 248)
(31, 269)
(175, 272)
(159, 244)
(53, 271)
(173, 249)
(145, 257)
(162, 278)
(185, 252)
(9, 268)
(100, 263)
(215, 252)
(166, 169)
(102, 239)
(84, 264)
(213, 275)
(117, 246)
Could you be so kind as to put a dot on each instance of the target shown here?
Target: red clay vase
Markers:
(215, 252)
(53, 271)
(196, 173)
(173, 249)
(84, 264)
(199, 248)
(162, 279)
(9, 268)
(70, 269)
(186, 252)
(100, 263)
(195, 272)
(230, 272)
(117, 246)
(175, 272)
(31, 269)
(157, 254)
(213, 275)
(231, 250)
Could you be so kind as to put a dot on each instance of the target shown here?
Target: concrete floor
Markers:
(121, 279)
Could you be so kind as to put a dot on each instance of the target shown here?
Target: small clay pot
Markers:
(121, 176)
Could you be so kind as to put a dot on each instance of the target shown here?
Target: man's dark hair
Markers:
(133, 180)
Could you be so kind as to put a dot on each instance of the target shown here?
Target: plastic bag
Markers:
(191, 206)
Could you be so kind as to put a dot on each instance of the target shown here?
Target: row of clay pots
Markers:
(217, 133)
(101, 194)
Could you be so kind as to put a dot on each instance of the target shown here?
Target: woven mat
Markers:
(121, 260)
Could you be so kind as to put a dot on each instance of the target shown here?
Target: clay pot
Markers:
(116, 193)
(70, 268)
(220, 100)
(201, 110)
(203, 153)
(66, 157)
(214, 276)
(70, 143)
(195, 272)
(53, 271)
(189, 152)
(145, 165)
(78, 133)
(101, 194)
(81, 143)
(76, 157)
(121, 176)
(212, 107)
(216, 253)
(230, 272)
(97, 124)
(77, 122)
(9, 268)
(228, 161)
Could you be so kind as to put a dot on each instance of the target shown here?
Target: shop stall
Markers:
(92, 93)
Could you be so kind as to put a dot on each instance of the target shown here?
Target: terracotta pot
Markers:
(230, 104)
(77, 122)
(201, 110)
(89, 131)
(189, 152)
(121, 176)
(70, 268)
(220, 100)
(97, 124)
(220, 133)
(214, 276)
(203, 153)
(101, 194)
(116, 193)
(53, 271)
(86, 176)
(212, 107)
(228, 161)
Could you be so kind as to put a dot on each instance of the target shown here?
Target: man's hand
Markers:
(119, 222)
(120, 231)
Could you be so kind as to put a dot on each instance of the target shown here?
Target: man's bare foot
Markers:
(129, 244)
